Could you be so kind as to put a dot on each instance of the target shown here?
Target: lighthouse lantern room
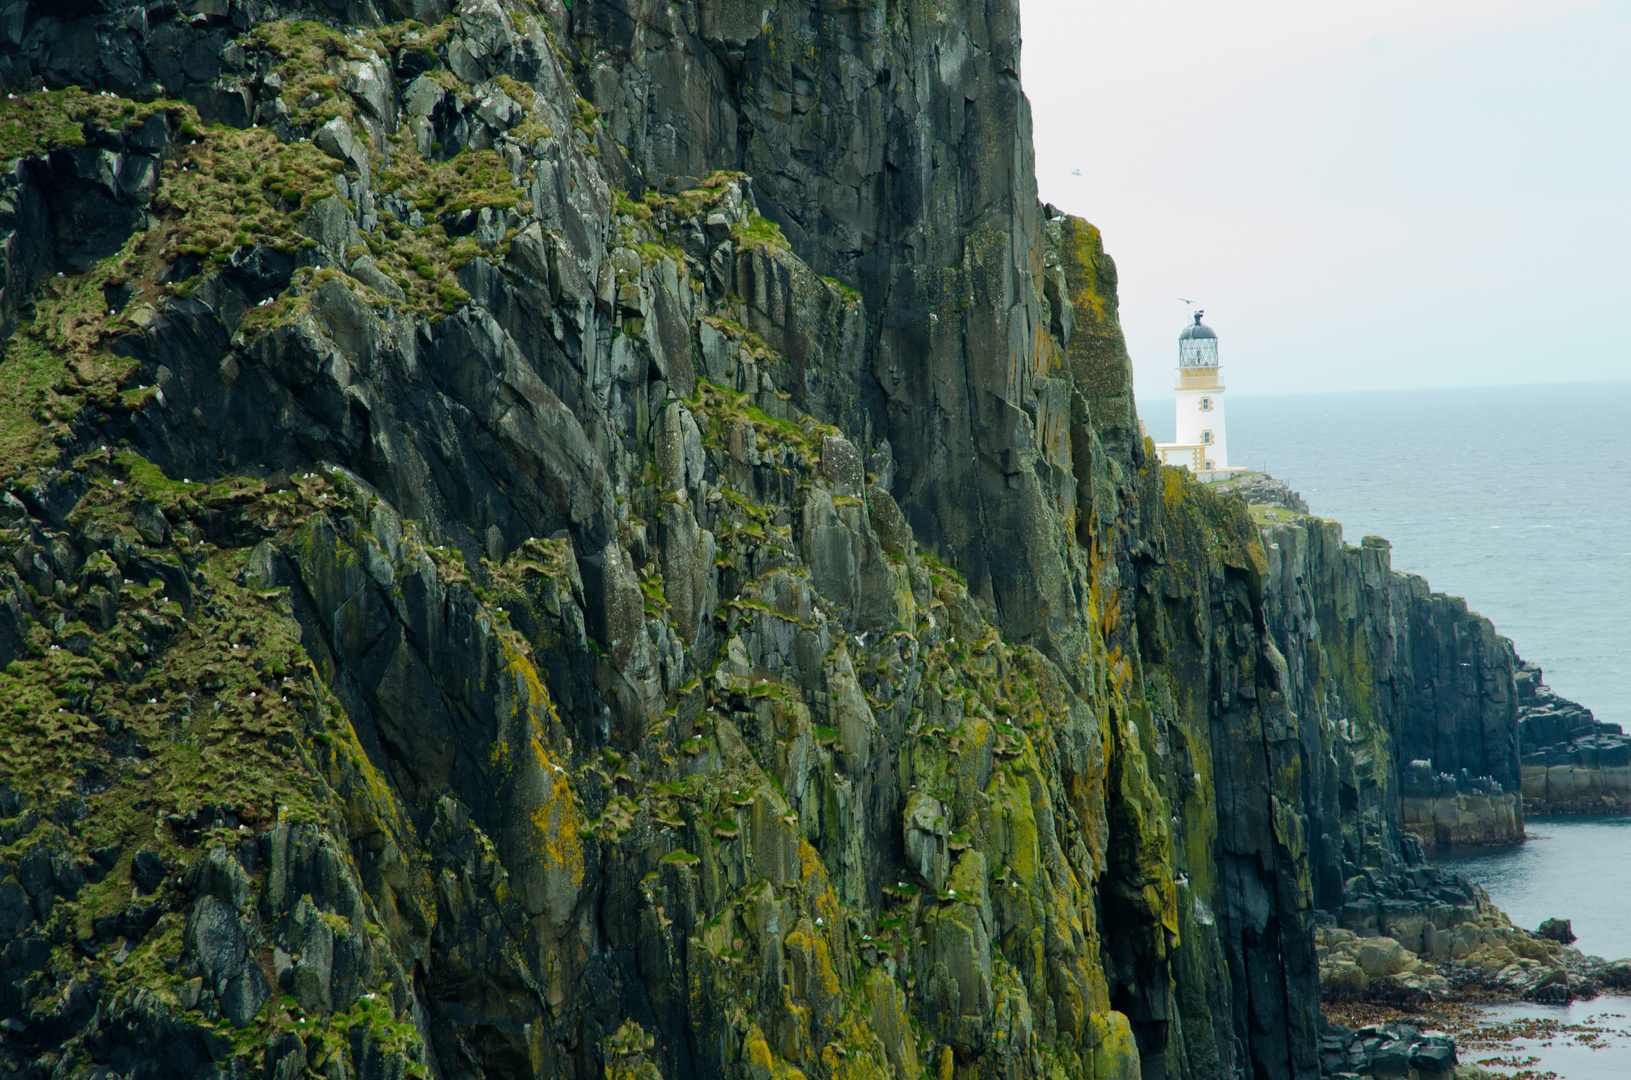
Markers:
(1201, 445)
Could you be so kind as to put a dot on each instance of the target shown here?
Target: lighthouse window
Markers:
(1206, 438)
(1206, 404)
(1209, 464)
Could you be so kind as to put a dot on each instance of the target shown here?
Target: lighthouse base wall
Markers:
(1199, 421)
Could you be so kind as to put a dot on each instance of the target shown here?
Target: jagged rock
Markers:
(927, 827)
(1261, 489)
(147, 871)
(336, 140)
(216, 943)
(841, 465)
(152, 524)
(368, 272)
(16, 913)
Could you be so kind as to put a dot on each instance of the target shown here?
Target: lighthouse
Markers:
(1201, 444)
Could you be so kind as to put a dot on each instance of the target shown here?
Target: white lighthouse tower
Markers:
(1201, 444)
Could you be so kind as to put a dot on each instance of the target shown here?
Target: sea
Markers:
(1517, 498)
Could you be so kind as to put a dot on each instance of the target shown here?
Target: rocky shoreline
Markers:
(1362, 1040)
(1428, 937)
(1428, 932)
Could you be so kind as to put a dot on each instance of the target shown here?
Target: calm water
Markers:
(1517, 498)
(1570, 868)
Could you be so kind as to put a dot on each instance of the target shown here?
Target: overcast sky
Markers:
(1392, 193)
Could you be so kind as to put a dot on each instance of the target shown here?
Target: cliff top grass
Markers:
(532, 128)
(31, 124)
(233, 188)
(58, 365)
(756, 230)
(223, 190)
(1273, 515)
(469, 180)
(665, 212)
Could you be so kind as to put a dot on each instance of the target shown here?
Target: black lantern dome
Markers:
(1190, 333)
(1198, 345)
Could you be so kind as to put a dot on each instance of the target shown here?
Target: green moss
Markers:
(232, 189)
(226, 190)
(843, 290)
(32, 124)
(200, 695)
(755, 230)
(718, 407)
(941, 571)
(585, 118)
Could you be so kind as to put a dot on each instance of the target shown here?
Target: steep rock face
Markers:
(684, 663)
(1411, 695)
(891, 144)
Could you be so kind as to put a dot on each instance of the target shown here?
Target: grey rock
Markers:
(314, 970)
(367, 271)
(718, 353)
(1391, 1060)
(894, 533)
(151, 523)
(329, 223)
(926, 829)
(16, 913)
(1557, 930)
(423, 96)
(477, 681)
(215, 941)
(1433, 1059)
(368, 84)
(147, 871)
(530, 252)
(335, 139)
(841, 465)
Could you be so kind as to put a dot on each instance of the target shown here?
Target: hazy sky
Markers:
(1391, 193)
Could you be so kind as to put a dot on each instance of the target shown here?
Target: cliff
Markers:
(1571, 762)
(613, 541)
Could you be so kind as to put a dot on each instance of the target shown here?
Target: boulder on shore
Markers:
(1557, 930)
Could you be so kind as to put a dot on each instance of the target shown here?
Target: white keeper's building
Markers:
(1202, 446)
